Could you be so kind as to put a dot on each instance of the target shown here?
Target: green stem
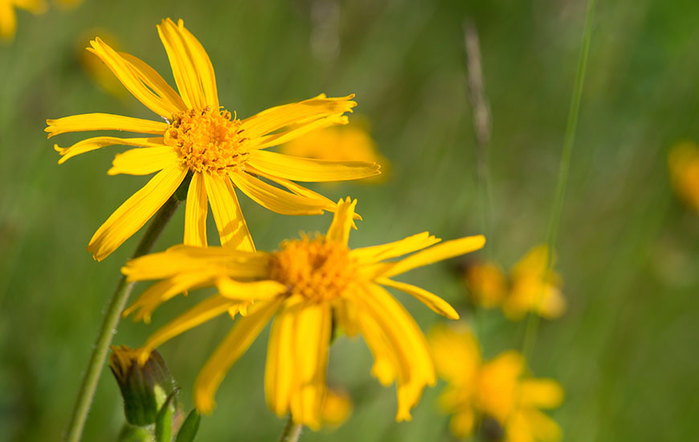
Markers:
(291, 432)
(571, 127)
(109, 324)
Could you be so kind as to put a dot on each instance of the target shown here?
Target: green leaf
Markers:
(163, 422)
(189, 427)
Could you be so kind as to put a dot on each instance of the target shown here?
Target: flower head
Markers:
(531, 287)
(496, 389)
(206, 145)
(306, 285)
(8, 17)
(683, 162)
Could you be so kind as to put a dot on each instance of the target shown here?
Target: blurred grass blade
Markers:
(189, 427)
(563, 171)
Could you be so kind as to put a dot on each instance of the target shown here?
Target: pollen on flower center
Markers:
(207, 140)
(317, 269)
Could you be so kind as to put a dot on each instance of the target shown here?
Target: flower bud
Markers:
(144, 387)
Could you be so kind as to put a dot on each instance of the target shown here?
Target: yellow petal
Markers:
(95, 143)
(96, 121)
(408, 342)
(136, 81)
(462, 423)
(431, 300)
(542, 427)
(154, 81)
(393, 249)
(342, 221)
(311, 339)
(440, 252)
(246, 291)
(201, 313)
(8, 21)
(167, 289)
(297, 189)
(456, 353)
(346, 317)
(297, 130)
(229, 219)
(195, 212)
(310, 170)
(280, 117)
(202, 64)
(134, 213)
(276, 199)
(183, 68)
(227, 353)
(541, 393)
(144, 161)
(237, 264)
(279, 372)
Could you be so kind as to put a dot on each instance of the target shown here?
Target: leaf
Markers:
(163, 422)
(189, 427)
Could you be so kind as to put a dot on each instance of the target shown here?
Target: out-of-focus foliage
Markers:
(628, 248)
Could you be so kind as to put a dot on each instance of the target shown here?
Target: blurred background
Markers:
(628, 250)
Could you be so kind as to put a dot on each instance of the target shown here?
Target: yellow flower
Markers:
(8, 18)
(531, 287)
(336, 408)
(210, 145)
(348, 143)
(534, 287)
(307, 285)
(496, 389)
(487, 283)
(683, 162)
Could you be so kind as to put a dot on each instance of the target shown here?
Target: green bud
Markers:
(144, 387)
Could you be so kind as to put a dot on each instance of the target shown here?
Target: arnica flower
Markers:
(496, 389)
(206, 145)
(531, 286)
(308, 285)
(8, 16)
(350, 143)
(683, 163)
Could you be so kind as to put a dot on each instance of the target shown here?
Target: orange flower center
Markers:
(317, 269)
(207, 140)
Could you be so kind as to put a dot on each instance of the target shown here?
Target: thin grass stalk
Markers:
(532, 324)
(482, 124)
(109, 324)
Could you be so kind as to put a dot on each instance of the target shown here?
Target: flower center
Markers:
(317, 269)
(207, 140)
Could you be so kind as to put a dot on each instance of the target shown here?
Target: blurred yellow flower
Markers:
(487, 283)
(336, 408)
(308, 284)
(205, 147)
(531, 287)
(8, 17)
(534, 287)
(683, 162)
(349, 143)
(497, 389)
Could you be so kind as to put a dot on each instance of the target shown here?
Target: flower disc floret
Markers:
(207, 140)
(318, 269)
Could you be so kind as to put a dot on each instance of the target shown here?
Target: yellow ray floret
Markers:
(305, 286)
(206, 147)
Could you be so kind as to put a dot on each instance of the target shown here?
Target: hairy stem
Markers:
(109, 324)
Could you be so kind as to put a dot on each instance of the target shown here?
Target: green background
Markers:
(625, 351)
